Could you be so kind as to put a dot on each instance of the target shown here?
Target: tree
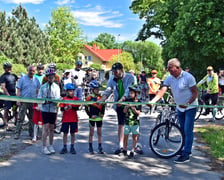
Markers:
(22, 40)
(148, 54)
(127, 60)
(65, 35)
(108, 40)
(193, 30)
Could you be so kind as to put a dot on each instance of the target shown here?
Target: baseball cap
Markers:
(116, 66)
(209, 68)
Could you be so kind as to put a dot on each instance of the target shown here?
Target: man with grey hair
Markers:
(28, 87)
(184, 90)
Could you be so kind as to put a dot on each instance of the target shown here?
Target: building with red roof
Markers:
(95, 55)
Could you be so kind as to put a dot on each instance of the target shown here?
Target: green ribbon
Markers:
(42, 101)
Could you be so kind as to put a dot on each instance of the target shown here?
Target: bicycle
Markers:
(217, 112)
(166, 138)
(11, 117)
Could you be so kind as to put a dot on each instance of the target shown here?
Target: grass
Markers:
(213, 135)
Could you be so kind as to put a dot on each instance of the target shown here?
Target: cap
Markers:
(116, 66)
(154, 71)
(210, 68)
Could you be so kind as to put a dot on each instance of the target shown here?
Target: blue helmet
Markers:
(94, 84)
(79, 63)
(69, 86)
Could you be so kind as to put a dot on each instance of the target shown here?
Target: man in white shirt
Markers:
(78, 76)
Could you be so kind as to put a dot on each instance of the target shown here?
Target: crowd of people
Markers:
(125, 86)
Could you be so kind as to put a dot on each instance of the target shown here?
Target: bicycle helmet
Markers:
(52, 65)
(79, 63)
(40, 66)
(7, 65)
(50, 71)
(69, 86)
(94, 84)
(134, 88)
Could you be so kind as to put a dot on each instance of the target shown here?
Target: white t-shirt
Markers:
(80, 74)
(180, 88)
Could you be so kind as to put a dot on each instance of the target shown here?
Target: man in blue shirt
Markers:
(28, 87)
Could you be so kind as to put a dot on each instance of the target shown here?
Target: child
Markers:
(95, 113)
(37, 120)
(69, 118)
(132, 120)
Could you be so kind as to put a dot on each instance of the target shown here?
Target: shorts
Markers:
(131, 129)
(73, 126)
(9, 104)
(120, 115)
(48, 117)
(98, 123)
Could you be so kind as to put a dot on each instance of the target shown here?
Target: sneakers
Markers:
(46, 151)
(118, 151)
(16, 136)
(182, 159)
(131, 155)
(63, 151)
(181, 152)
(138, 149)
(72, 150)
(125, 152)
(91, 150)
(34, 139)
(100, 150)
(51, 149)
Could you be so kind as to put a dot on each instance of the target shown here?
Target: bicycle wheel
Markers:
(199, 110)
(2, 122)
(219, 114)
(166, 140)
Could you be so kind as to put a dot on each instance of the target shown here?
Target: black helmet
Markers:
(134, 88)
(40, 66)
(79, 63)
(7, 65)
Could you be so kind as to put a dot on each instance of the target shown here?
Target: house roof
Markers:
(103, 54)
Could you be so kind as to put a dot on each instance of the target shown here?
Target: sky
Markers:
(94, 16)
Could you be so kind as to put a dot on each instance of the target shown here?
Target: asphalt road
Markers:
(32, 164)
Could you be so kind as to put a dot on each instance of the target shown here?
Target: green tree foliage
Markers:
(108, 40)
(126, 59)
(193, 30)
(147, 54)
(22, 40)
(65, 35)
(101, 46)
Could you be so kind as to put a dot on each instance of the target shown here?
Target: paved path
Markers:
(31, 164)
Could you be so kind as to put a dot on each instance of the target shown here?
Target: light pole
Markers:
(118, 47)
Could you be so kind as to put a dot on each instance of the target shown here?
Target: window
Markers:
(89, 58)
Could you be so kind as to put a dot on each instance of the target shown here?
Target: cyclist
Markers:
(154, 84)
(143, 85)
(56, 78)
(78, 75)
(40, 73)
(95, 113)
(221, 81)
(49, 90)
(132, 119)
(211, 79)
(8, 85)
